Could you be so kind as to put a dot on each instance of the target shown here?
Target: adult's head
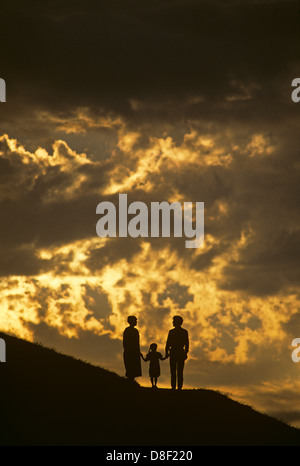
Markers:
(132, 320)
(177, 321)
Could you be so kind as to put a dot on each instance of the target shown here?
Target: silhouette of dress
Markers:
(132, 358)
(154, 366)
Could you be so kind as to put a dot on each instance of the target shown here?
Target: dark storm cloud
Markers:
(34, 206)
(26, 221)
(205, 260)
(177, 293)
(110, 54)
(114, 250)
(97, 303)
(265, 196)
(99, 349)
(22, 261)
(261, 192)
(267, 363)
(292, 325)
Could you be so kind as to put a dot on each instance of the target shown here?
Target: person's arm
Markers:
(168, 346)
(141, 354)
(187, 343)
(160, 356)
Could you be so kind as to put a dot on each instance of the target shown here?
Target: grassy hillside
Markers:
(48, 398)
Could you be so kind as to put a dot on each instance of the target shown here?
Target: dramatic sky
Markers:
(185, 100)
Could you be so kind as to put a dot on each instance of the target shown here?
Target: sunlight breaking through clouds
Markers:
(65, 277)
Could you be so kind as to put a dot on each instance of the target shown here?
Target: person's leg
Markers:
(151, 378)
(155, 381)
(180, 366)
(173, 371)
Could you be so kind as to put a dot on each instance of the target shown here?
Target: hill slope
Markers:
(48, 398)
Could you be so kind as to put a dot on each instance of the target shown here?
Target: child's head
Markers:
(153, 347)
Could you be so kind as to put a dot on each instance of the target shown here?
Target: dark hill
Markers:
(48, 398)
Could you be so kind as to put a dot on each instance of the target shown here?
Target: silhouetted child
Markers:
(154, 367)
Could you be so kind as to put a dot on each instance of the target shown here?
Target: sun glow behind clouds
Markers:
(126, 291)
(146, 164)
(228, 326)
(60, 302)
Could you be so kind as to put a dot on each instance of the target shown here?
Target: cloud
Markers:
(55, 202)
(208, 58)
(98, 349)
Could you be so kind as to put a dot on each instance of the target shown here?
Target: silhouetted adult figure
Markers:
(177, 347)
(132, 353)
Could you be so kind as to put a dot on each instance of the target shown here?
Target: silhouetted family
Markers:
(177, 348)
